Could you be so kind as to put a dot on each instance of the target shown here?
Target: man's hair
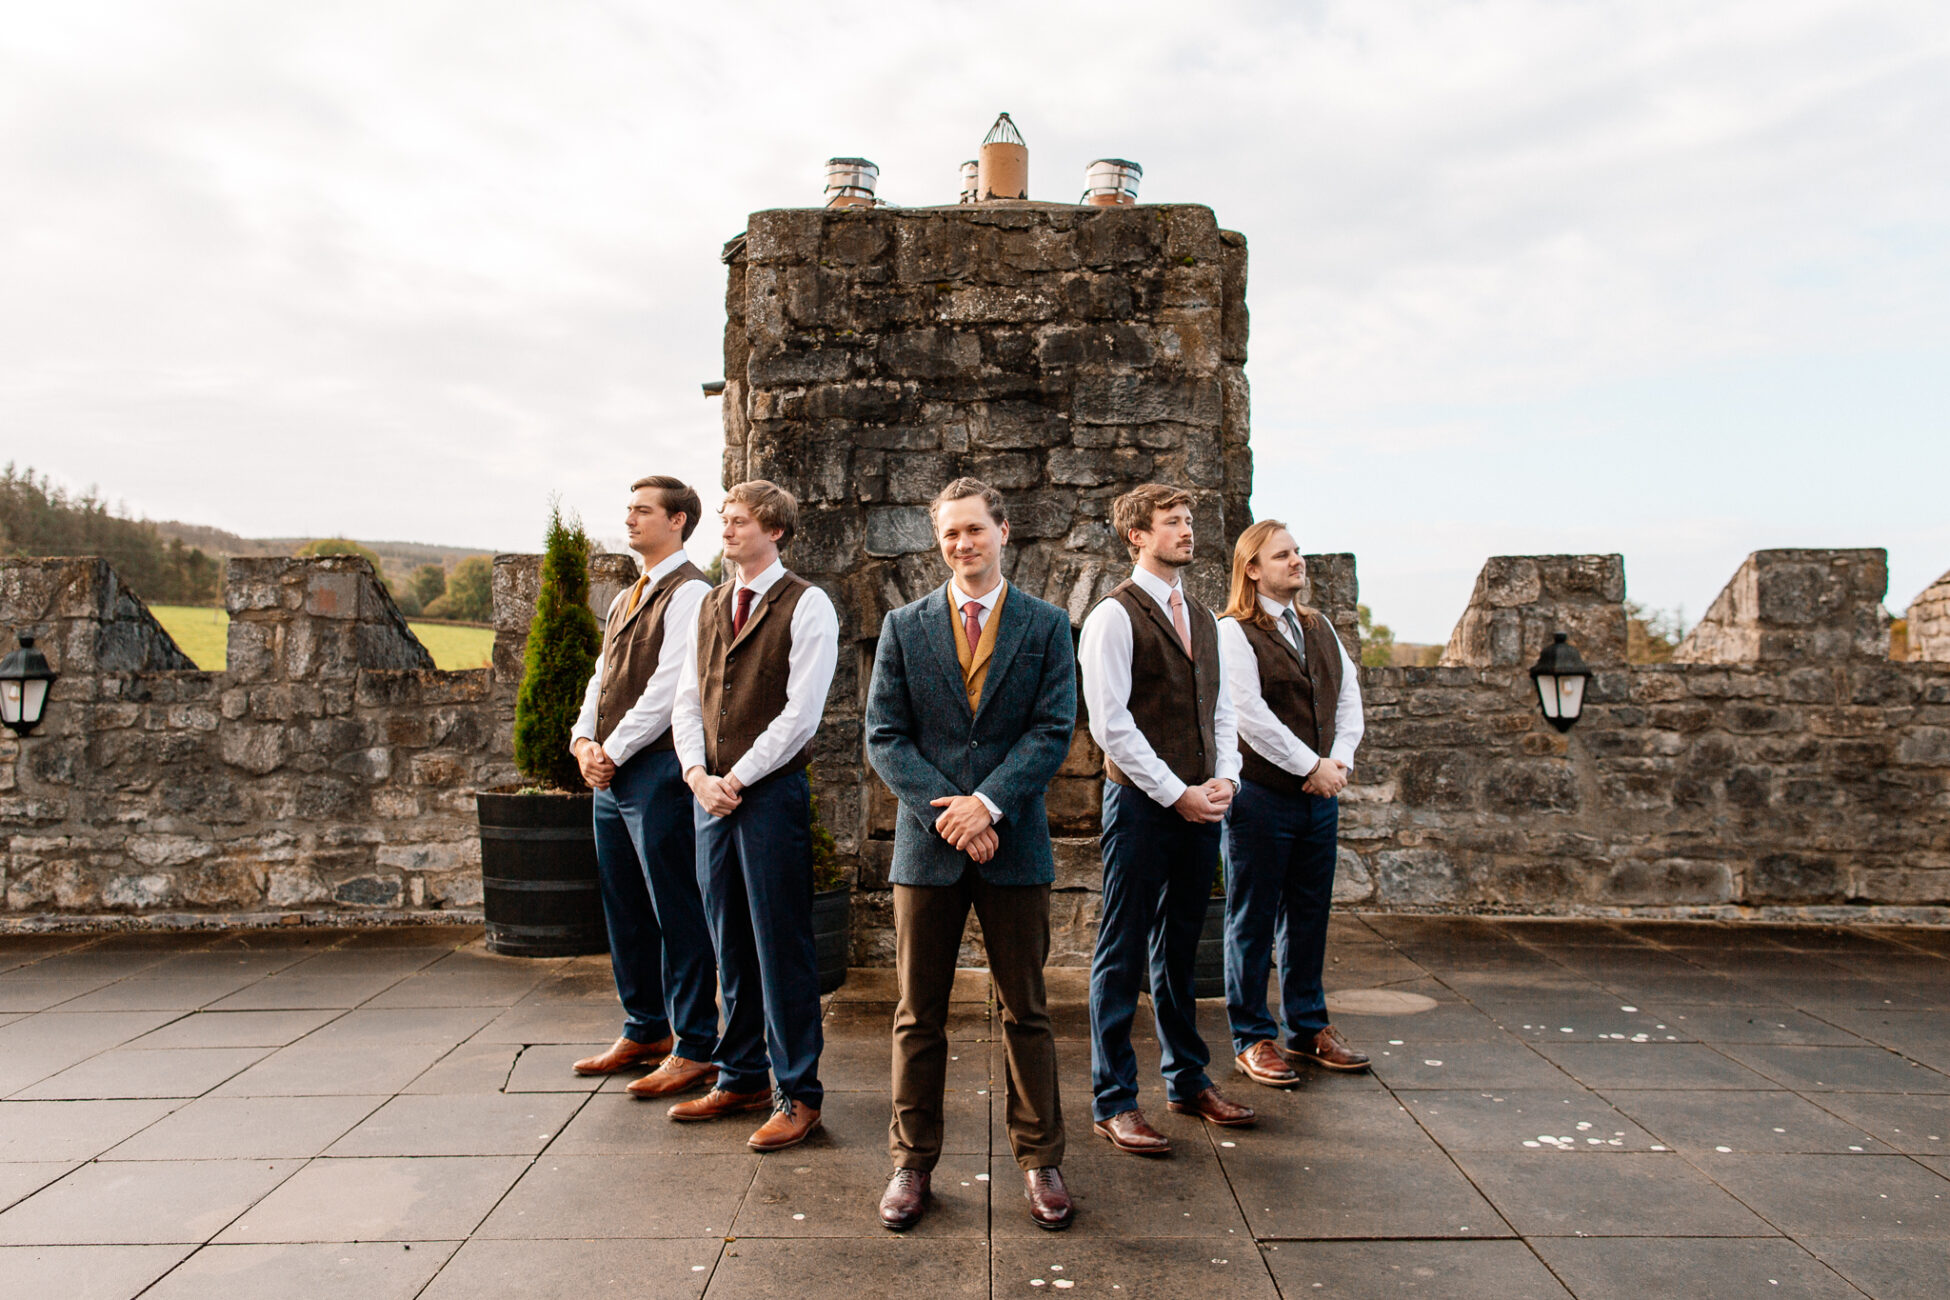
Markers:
(1243, 603)
(1137, 508)
(963, 488)
(771, 506)
(674, 494)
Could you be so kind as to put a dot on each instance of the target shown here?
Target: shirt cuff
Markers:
(1344, 755)
(1170, 791)
(742, 769)
(995, 813)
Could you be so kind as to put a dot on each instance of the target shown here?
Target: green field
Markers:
(202, 634)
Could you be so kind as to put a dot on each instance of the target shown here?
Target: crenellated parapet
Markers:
(329, 774)
(1928, 620)
(1786, 607)
(329, 769)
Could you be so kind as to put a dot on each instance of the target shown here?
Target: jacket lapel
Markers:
(939, 633)
(1009, 636)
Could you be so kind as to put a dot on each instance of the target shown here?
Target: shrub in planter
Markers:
(832, 907)
(538, 848)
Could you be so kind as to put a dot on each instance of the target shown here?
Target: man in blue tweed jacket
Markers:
(969, 717)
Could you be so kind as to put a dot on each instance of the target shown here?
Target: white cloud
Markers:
(406, 268)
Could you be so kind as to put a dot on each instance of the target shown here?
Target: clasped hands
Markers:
(1328, 778)
(965, 823)
(1205, 803)
(598, 770)
(717, 795)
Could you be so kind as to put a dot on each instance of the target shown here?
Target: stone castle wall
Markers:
(1782, 765)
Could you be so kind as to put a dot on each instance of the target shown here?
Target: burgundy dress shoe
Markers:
(624, 1054)
(1128, 1131)
(718, 1103)
(792, 1122)
(906, 1197)
(1262, 1063)
(1212, 1107)
(1329, 1049)
(1049, 1199)
(675, 1075)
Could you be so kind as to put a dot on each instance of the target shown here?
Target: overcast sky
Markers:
(1668, 279)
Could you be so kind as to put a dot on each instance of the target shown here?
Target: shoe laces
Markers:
(782, 1105)
(1044, 1177)
(906, 1177)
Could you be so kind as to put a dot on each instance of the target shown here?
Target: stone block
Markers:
(898, 530)
(1416, 876)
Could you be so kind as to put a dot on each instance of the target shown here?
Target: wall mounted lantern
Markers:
(1560, 675)
(24, 681)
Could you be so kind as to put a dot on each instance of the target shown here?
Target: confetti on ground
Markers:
(1432, 1063)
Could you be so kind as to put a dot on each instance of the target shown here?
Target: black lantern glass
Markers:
(24, 681)
(1560, 675)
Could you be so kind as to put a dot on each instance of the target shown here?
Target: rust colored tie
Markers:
(971, 615)
(1178, 622)
(743, 612)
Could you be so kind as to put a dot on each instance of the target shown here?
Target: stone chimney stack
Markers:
(1063, 353)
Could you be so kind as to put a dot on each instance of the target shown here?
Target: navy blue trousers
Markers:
(659, 946)
(1158, 871)
(755, 868)
(1280, 854)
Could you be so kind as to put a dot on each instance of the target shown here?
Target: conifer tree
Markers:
(563, 641)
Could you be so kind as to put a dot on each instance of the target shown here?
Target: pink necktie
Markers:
(744, 612)
(971, 614)
(1178, 622)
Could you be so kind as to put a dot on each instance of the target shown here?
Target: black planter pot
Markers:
(1209, 974)
(538, 875)
(832, 919)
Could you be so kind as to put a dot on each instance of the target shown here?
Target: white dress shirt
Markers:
(1270, 738)
(649, 717)
(961, 599)
(809, 672)
(1104, 651)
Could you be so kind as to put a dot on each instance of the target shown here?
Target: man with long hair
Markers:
(1155, 687)
(1298, 700)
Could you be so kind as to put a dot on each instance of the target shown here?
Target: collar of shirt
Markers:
(763, 582)
(1278, 613)
(669, 564)
(1155, 587)
(961, 598)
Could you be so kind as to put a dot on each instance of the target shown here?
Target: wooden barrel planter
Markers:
(832, 919)
(539, 894)
(1209, 974)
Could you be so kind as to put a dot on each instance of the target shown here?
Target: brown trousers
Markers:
(928, 921)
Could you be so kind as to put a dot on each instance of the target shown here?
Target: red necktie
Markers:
(971, 614)
(744, 611)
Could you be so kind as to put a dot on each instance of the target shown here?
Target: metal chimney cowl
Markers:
(850, 182)
(1003, 163)
(1111, 182)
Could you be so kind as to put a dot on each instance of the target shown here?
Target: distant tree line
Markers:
(38, 517)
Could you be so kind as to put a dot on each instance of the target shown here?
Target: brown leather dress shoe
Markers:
(906, 1197)
(675, 1075)
(1331, 1050)
(1049, 1199)
(1212, 1107)
(1128, 1131)
(718, 1103)
(1262, 1063)
(792, 1122)
(624, 1054)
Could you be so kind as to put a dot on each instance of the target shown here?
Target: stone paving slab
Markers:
(1589, 1108)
